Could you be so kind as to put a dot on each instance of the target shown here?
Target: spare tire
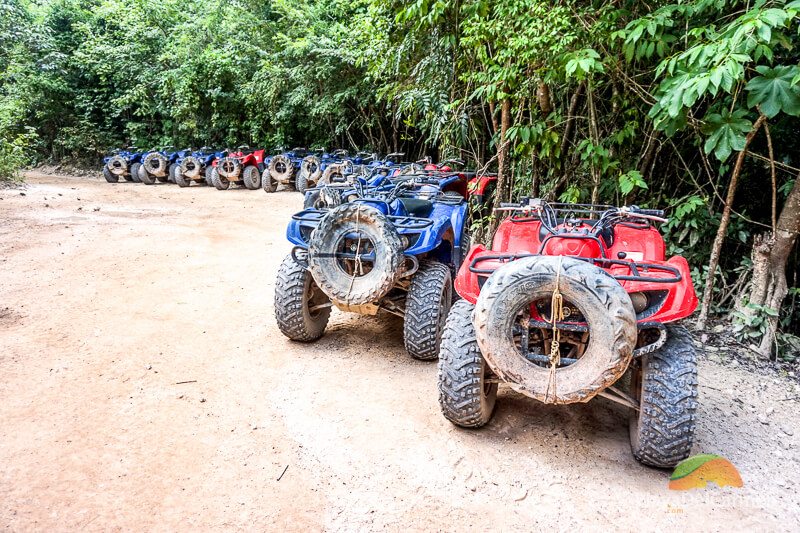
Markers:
(311, 169)
(281, 169)
(117, 165)
(332, 172)
(190, 167)
(155, 164)
(351, 280)
(229, 167)
(606, 309)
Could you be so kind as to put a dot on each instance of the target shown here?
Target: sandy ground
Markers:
(144, 386)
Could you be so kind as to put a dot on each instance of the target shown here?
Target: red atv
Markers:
(244, 166)
(571, 302)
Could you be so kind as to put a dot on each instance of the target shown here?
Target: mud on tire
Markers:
(427, 305)
(599, 297)
(465, 397)
(295, 295)
(387, 249)
(665, 383)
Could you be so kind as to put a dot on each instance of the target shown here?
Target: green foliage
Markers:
(726, 132)
(773, 91)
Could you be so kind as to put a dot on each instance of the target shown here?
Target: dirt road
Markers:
(144, 385)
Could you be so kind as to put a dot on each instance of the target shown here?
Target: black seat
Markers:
(416, 207)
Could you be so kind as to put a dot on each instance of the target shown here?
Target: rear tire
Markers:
(135, 172)
(111, 178)
(427, 304)
(219, 182)
(177, 175)
(665, 382)
(466, 399)
(294, 291)
(268, 183)
(251, 177)
(208, 173)
(301, 184)
(173, 168)
(145, 177)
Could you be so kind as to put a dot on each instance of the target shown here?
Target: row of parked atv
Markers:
(253, 169)
(569, 302)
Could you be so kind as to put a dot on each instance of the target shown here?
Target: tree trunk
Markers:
(771, 253)
(503, 191)
(593, 132)
(716, 249)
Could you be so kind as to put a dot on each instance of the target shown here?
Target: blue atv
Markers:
(282, 169)
(195, 167)
(157, 165)
(120, 164)
(393, 248)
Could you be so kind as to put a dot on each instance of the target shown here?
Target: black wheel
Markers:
(251, 177)
(135, 172)
(427, 304)
(111, 178)
(177, 175)
(208, 176)
(514, 346)
(128, 177)
(219, 182)
(268, 183)
(355, 254)
(301, 308)
(466, 397)
(665, 384)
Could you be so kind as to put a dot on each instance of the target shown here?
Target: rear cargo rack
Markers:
(636, 269)
(314, 216)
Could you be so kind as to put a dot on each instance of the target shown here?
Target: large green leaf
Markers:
(725, 132)
(773, 91)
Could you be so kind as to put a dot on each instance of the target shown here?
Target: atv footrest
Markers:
(637, 271)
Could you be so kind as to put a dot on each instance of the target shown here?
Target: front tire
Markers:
(466, 398)
(665, 383)
(296, 297)
(427, 305)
